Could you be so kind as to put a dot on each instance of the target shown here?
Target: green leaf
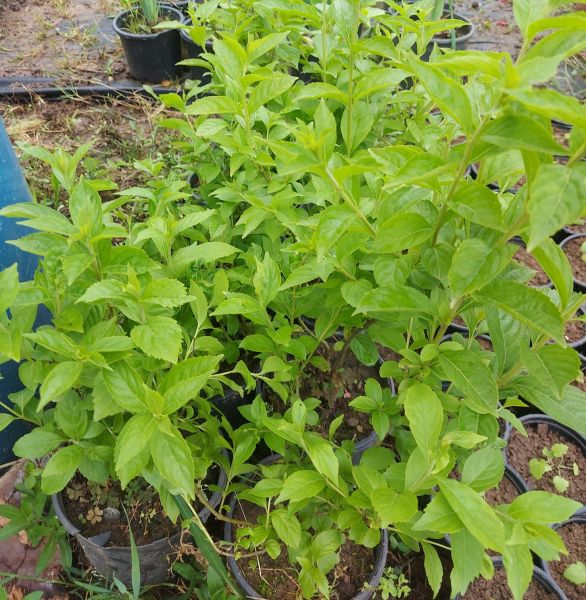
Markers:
(322, 456)
(472, 377)
(287, 527)
(59, 380)
(553, 366)
(449, 95)
(165, 292)
(301, 485)
(468, 556)
(478, 204)
(269, 89)
(547, 102)
(8, 286)
(124, 386)
(556, 200)
(161, 338)
(390, 300)
(131, 452)
(483, 469)
(6, 420)
(522, 133)
(478, 517)
(173, 460)
(518, 563)
(37, 443)
(528, 11)
(475, 264)
(570, 410)
(434, 569)
(405, 230)
(555, 263)
(266, 280)
(206, 253)
(108, 289)
(439, 516)
(542, 507)
(392, 506)
(527, 305)
(60, 468)
(576, 573)
(426, 416)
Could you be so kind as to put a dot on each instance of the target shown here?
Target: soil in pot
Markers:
(337, 389)
(98, 508)
(504, 493)
(497, 588)
(574, 331)
(521, 450)
(573, 250)
(526, 258)
(574, 536)
(411, 564)
(277, 579)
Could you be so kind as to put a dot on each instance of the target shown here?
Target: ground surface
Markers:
(72, 40)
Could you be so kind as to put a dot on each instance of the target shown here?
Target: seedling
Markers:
(576, 573)
(553, 461)
(393, 584)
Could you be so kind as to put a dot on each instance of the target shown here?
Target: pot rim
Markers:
(119, 20)
(542, 576)
(380, 555)
(570, 238)
(579, 517)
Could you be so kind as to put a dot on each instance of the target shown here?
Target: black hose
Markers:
(16, 89)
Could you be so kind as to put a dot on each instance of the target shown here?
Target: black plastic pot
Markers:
(182, 5)
(116, 561)
(539, 575)
(535, 419)
(579, 285)
(380, 559)
(193, 50)
(151, 57)
(229, 403)
(463, 35)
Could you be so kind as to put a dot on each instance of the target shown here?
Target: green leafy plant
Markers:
(576, 573)
(393, 585)
(539, 466)
(143, 16)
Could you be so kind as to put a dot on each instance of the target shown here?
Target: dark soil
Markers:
(527, 259)
(574, 536)
(497, 588)
(412, 566)
(277, 579)
(504, 493)
(573, 250)
(575, 331)
(96, 509)
(521, 450)
(342, 386)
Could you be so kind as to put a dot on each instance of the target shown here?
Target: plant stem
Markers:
(202, 498)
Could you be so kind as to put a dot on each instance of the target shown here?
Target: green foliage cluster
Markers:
(334, 209)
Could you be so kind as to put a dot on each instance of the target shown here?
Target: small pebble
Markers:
(352, 422)
(111, 515)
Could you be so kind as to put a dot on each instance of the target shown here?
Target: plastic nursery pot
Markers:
(229, 403)
(463, 35)
(151, 57)
(555, 570)
(182, 5)
(540, 577)
(535, 419)
(571, 247)
(380, 558)
(116, 561)
(193, 50)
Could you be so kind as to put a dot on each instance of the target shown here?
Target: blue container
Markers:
(13, 189)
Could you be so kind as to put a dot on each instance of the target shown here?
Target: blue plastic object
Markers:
(13, 188)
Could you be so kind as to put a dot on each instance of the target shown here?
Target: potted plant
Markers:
(108, 387)
(152, 53)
